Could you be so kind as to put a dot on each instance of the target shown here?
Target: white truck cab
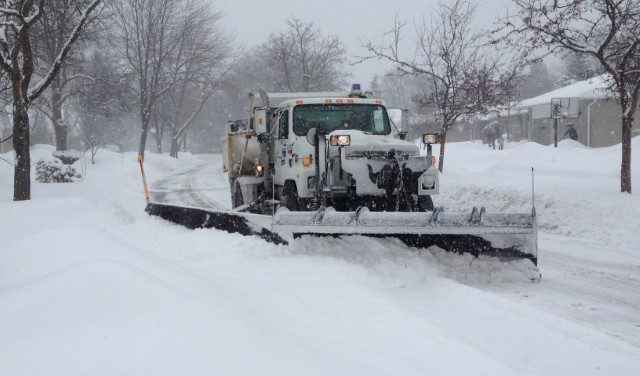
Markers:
(331, 149)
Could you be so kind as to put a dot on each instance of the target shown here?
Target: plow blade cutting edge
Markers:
(504, 236)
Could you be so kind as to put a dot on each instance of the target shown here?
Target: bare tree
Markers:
(460, 75)
(300, 59)
(607, 30)
(17, 19)
(148, 38)
(102, 98)
(50, 34)
(195, 69)
(400, 90)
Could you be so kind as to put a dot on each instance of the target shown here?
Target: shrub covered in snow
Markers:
(68, 157)
(54, 171)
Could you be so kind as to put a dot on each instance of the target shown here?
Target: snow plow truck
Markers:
(335, 164)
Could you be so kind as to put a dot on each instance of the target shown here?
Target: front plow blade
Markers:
(504, 236)
(229, 221)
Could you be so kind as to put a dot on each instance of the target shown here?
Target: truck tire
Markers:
(290, 199)
(425, 203)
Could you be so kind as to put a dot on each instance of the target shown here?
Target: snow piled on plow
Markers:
(392, 262)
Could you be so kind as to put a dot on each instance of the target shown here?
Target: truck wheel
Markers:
(425, 203)
(237, 196)
(290, 199)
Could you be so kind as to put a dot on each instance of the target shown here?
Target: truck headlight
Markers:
(429, 138)
(340, 140)
(259, 170)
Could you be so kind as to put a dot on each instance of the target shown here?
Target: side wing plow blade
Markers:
(229, 221)
(504, 236)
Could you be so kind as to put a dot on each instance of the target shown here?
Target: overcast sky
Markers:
(354, 21)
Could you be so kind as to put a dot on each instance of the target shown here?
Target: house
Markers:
(587, 105)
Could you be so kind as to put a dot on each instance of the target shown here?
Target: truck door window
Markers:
(378, 121)
(283, 125)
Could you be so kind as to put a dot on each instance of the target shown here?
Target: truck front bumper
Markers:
(374, 175)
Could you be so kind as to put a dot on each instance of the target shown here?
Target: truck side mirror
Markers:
(402, 135)
(260, 122)
(311, 136)
(319, 129)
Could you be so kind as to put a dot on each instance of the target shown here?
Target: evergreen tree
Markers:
(577, 66)
(537, 82)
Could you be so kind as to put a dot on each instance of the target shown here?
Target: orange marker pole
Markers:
(144, 177)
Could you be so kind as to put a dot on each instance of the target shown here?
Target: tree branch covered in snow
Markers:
(42, 85)
(461, 75)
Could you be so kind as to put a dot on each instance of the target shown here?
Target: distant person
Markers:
(571, 132)
(491, 132)
(500, 142)
(232, 126)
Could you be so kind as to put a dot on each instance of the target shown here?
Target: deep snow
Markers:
(89, 284)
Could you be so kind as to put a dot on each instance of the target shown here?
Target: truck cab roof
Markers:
(336, 97)
(330, 100)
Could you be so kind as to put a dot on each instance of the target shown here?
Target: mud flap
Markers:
(229, 221)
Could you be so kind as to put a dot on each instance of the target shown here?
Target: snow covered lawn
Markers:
(91, 285)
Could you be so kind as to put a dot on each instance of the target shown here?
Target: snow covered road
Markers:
(580, 282)
(188, 187)
(89, 284)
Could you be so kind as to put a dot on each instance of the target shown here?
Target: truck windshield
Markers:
(368, 118)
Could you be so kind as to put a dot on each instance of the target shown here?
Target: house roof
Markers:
(595, 87)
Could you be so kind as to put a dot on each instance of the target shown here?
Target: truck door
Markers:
(281, 148)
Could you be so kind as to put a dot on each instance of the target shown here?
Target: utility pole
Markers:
(556, 112)
(509, 120)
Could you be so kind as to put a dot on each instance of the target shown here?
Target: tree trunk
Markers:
(61, 137)
(157, 135)
(442, 145)
(22, 170)
(59, 127)
(625, 166)
(175, 147)
(143, 135)
(158, 142)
